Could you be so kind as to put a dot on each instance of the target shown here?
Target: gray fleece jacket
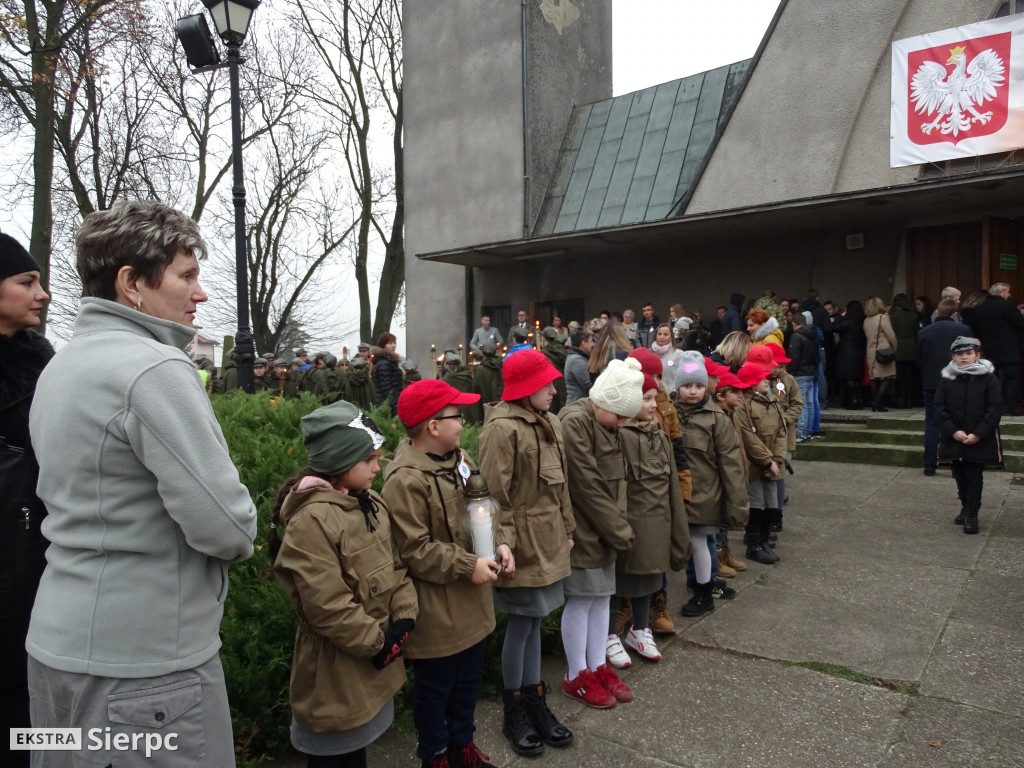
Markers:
(145, 506)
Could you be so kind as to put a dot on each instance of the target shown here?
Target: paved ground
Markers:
(885, 637)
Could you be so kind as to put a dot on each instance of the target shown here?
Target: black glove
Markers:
(394, 639)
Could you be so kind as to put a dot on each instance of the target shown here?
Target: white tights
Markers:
(701, 557)
(585, 631)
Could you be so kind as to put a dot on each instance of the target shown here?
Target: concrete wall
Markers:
(702, 275)
(464, 134)
(814, 118)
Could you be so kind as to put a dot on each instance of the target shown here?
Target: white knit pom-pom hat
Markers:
(619, 388)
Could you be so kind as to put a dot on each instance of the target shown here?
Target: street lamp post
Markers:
(231, 17)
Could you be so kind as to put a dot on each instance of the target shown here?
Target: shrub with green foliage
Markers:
(258, 630)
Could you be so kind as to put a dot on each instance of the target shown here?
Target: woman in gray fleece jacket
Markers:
(145, 507)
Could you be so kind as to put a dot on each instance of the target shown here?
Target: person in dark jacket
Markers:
(488, 381)
(647, 326)
(386, 373)
(968, 407)
(733, 318)
(824, 327)
(850, 351)
(23, 355)
(803, 366)
(904, 324)
(1000, 326)
(933, 342)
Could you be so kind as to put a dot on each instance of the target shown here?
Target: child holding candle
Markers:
(330, 541)
(522, 458)
(424, 488)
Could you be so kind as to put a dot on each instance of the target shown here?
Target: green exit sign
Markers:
(1008, 261)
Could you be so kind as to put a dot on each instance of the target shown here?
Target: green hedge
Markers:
(258, 630)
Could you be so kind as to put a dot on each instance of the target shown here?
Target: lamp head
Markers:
(232, 17)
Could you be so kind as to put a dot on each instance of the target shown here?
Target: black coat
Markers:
(22, 358)
(387, 379)
(803, 352)
(822, 320)
(850, 349)
(1000, 326)
(933, 343)
(973, 404)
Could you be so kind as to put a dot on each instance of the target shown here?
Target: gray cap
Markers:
(268, 356)
(549, 333)
(298, 361)
(452, 357)
(961, 343)
(260, 362)
(363, 347)
(357, 362)
(408, 365)
(281, 362)
(489, 348)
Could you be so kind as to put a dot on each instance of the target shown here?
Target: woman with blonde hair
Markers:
(880, 336)
(612, 344)
(734, 348)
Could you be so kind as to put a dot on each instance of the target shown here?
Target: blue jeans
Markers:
(811, 413)
(821, 399)
(931, 430)
(444, 699)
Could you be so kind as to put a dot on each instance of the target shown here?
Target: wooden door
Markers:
(942, 256)
(1001, 259)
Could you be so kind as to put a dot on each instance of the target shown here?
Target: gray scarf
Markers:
(977, 368)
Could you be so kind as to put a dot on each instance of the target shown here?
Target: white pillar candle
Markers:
(481, 530)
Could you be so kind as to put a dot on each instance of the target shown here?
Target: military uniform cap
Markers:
(408, 365)
(297, 361)
(357, 362)
(363, 347)
(550, 333)
(452, 357)
(268, 356)
(489, 348)
(281, 361)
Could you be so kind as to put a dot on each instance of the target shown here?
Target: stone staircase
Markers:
(893, 439)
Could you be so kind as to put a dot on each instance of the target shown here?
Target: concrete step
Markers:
(909, 420)
(870, 451)
(907, 436)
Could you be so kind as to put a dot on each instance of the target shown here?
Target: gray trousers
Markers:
(180, 719)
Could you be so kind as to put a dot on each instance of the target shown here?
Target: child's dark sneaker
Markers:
(720, 591)
(588, 689)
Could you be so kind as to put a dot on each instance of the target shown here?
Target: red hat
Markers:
(649, 382)
(762, 357)
(650, 363)
(778, 353)
(750, 374)
(526, 372)
(715, 369)
(729, 379)
(422, 399)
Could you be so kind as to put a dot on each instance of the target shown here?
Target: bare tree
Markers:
(359, 45)
(34, 36)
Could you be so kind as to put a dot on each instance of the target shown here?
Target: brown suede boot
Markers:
(624, 617)
(661, 621)
(725, 557)
(725, 571)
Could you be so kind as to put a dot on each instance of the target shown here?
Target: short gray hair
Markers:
(141, 234)
(998, 288)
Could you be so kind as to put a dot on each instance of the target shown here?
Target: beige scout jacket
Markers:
(525, 474)
(763, 426)
(348, 586)
(427, 510)
(654, 502)
(719, 473)
(792, 404)
(597, 486)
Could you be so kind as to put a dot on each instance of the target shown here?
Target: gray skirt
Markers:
(343, 742)
(591, 582)
(763, 494)
(529, 601)
(637, 584)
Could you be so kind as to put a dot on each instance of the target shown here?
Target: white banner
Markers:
(958, 92)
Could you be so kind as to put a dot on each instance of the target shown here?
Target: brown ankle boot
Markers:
(661, 621)
(624, 617)
(725, 557)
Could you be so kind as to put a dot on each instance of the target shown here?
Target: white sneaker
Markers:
(642, 641)
(617, 655)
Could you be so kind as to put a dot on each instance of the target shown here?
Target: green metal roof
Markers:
(637, 157)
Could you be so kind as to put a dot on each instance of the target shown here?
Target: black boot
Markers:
(752, 531)
(516, 727)
(959, 519)
(766, 532)
(541, 718)
(702, 602)
(757, 550)
(776, 525)
(971, 517)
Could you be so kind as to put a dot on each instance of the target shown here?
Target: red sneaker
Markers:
(610, 682)
(587, 689)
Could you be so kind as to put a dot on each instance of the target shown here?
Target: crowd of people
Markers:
(612, 451)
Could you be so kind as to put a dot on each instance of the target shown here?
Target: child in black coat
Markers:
(968, 406)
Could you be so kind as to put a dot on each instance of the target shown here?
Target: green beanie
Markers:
(339, 436)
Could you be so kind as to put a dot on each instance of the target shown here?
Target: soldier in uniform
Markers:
(457, 375)
(554, 350)
(358, 385)
(410, 373)
(261, 381)
(488, 382)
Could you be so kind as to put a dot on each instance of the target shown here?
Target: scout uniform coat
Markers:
(348, 586)
(763, 427)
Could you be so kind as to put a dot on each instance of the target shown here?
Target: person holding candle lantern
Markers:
(424, 487)
(522, 457)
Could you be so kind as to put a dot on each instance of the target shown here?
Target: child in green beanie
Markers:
(347, 667)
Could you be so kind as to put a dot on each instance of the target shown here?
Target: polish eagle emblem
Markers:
(956, 98)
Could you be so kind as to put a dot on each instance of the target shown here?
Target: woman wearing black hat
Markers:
(23, 354)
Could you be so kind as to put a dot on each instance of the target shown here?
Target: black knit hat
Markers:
(14, 259)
